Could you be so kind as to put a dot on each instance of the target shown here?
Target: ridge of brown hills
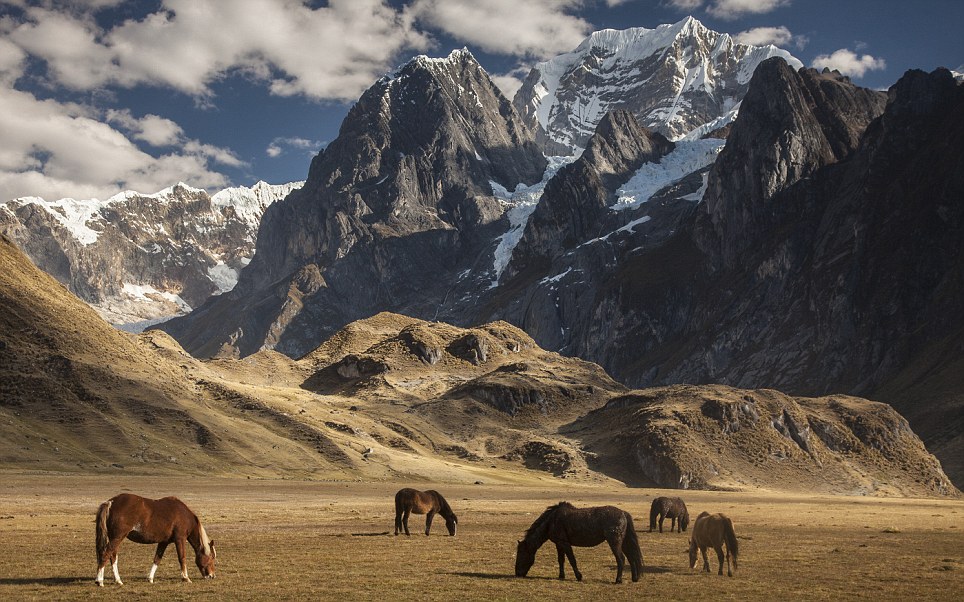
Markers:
(392, 397)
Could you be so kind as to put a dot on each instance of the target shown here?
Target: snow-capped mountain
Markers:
(674, 79)
(141, 258)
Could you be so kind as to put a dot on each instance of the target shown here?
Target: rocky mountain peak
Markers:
(413, 165)
(673, 78)
(577, 199)
(793, 123)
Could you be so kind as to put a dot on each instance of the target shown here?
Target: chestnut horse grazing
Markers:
(714, 530)
(672, 508)
(412, 501)
(567, 526)
(141, 520)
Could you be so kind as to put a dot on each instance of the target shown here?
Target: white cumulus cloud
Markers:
(55, 150)
(849, 62)
(279, 146)
(733, 9)
(536, 28)
(331, 52)
(729, 9)
(778, 36)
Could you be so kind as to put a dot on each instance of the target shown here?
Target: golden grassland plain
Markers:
(310, 540)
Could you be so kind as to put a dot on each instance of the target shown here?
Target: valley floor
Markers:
(300, 540)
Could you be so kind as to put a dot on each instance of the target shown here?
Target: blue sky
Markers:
(97, 96)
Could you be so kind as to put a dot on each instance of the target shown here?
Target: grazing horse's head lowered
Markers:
(412, 501)
(206, 555)
(163, 522)
(714, 531)
(452, 524)
(525, 557)
(568, 526)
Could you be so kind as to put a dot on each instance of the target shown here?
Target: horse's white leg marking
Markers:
(100, 577)
(150, 576)
(117, 578)
(184, 574)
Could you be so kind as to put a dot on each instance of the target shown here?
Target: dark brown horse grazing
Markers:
(714, 530)
(412, 501)
(567, 526)
(141, 520)
(672, 508)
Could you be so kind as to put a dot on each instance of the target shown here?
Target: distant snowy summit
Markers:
(674, 79)
(141, 258)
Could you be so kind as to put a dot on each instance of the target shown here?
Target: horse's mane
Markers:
(205, 542)
(545, 516)
(444, 509)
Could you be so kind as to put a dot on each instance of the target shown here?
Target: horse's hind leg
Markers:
(662, 517)
(157, 560)
(617, 548)
(729, 573)
(398, 521)
(405, 516)
(109, 556)
(706, 561)
(113, 564)
(672, 524)
(719, 557)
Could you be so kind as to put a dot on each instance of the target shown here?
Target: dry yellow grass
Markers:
(301, 540)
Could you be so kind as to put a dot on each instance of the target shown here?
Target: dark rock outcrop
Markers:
(392, 211)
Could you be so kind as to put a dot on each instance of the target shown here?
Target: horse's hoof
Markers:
(99, 583)
(579, 577)
(186, 580)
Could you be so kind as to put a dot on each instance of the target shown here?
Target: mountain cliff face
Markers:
(139, 258)
(674, 79)
(392, 211)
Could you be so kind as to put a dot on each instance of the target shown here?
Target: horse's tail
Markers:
(732, 545)
(100, 522)
(631, 548)
(653, 513)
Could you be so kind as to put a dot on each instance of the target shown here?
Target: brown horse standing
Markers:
(141, 520)
(567, 526)
(672, 508)
(412, 501)
(714, 530)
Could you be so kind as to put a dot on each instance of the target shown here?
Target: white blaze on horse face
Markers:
(150, 576)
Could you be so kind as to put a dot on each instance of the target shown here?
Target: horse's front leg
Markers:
(428, 521)
(180, 545)
(616, 546)
(662, 517)
(719, 557)
(706, 561)
(562, 561)
(572, 560)
(158, 554)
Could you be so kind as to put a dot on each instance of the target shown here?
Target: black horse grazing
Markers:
(672, 508)
(412, 501)
(569, 526)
